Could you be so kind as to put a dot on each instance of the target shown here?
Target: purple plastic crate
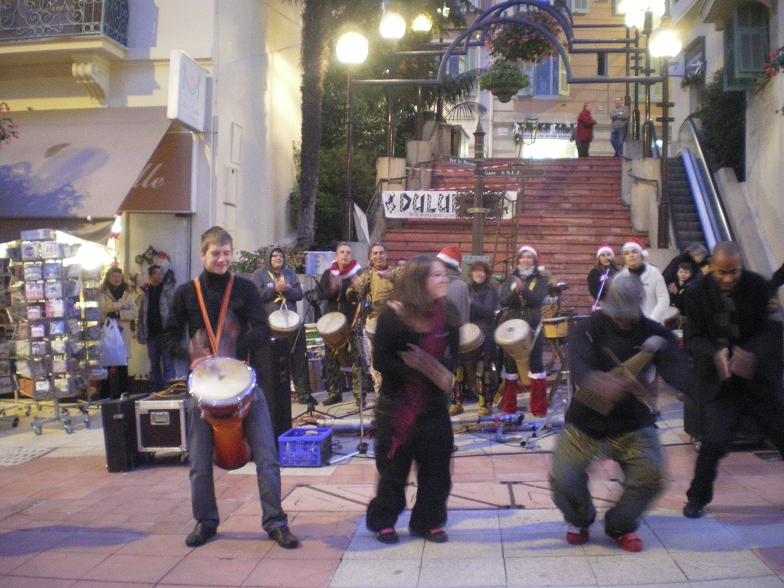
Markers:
(305, 448)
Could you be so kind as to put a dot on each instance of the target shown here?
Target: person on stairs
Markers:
(457, 295)
(601, 273)
(521, 297)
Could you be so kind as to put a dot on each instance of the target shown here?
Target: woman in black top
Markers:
(416, 338)
(484, 303)
(601, 272)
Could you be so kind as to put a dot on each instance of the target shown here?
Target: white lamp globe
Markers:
(393, 26)
(422, 24)
(665, 43)
(634, 19)
(352, 48)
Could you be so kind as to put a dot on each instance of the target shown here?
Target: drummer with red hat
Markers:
(457, 294)
(521, 297)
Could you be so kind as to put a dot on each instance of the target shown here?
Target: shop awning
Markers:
(76, 163)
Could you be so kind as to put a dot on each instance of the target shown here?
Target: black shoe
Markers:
(693, 510)
(200, 535)
(332, 400)
(284, 537)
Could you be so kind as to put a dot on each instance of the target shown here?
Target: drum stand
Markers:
(362, 447)
(559, 399)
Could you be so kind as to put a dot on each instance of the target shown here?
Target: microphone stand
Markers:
(603, 280)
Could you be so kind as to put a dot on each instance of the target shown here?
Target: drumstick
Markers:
(639, 361)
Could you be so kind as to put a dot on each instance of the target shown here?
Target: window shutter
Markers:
(750, 39)
(563, 85)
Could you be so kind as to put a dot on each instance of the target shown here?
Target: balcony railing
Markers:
(29, 20)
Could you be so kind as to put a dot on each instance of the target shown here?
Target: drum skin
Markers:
(471, 338)
(284, 323)
(514, 337)
(223, 387)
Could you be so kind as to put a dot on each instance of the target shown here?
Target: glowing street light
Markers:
(422, 24)
(352, 48)
(392, 26)
(664, 43)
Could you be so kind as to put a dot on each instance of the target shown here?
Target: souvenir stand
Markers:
(54, 341)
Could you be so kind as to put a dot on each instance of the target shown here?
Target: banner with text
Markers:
(429, 204)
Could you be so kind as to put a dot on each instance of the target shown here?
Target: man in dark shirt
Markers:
(153, 312)
(737, 353)
(247, 321)
(613, 412)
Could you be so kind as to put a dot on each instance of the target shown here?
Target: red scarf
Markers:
(347, 272)
(416, 389)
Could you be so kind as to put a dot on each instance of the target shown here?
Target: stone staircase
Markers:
(565, 214)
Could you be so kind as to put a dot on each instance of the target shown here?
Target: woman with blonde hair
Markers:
(118, 301)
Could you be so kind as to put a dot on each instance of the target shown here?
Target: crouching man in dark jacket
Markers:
(612, 356)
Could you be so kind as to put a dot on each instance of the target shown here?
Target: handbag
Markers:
(112, 344)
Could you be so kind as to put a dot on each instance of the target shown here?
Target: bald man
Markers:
(737, 353)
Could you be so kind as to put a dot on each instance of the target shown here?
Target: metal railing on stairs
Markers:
(707, 199)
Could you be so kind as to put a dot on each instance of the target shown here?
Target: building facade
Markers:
(89, 91)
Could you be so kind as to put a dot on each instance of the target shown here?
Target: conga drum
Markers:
(284, 323)
(223, 387)
(555, 328)
(334, 329)
(514, 337)
(370, 327)
(471, 339)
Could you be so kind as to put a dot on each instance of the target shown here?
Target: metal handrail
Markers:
(713, 216)
(650, 147)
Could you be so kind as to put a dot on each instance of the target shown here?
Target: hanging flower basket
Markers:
(503, 81)
(518, 42)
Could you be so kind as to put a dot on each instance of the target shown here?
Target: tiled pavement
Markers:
(65, 521)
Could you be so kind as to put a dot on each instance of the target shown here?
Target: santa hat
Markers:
(605, 248)
(451, 256)
(634, 246)
(528, 249)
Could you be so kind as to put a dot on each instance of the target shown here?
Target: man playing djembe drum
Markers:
(612, 413)
(231, 302)
(279, 288)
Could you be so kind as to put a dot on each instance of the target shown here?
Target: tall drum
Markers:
(284, 323)
(514, 337)
(334, 329)
(223, 387)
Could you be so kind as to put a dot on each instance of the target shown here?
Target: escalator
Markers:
(685, 218)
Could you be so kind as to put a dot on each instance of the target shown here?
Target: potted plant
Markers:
(518, 42)
(503, 80)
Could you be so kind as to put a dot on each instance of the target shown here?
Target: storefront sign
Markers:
(187, 91)
(164, 184)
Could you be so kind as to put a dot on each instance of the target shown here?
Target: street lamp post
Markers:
(664, 44)
(352, 49)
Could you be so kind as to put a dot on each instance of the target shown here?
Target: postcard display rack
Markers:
(49, 342)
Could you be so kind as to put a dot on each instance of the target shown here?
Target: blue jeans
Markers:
(159, 359)
(617, 137)
(258, 432)
(641, 459)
